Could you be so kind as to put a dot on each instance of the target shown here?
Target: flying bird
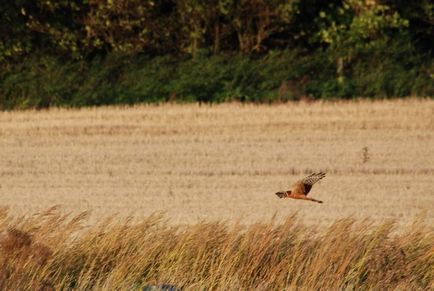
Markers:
(301, 188)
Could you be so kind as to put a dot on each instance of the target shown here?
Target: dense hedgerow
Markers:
(43, 81)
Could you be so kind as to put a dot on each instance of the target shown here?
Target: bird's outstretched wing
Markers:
(304, 185)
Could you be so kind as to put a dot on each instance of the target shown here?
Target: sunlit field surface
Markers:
(222, 162)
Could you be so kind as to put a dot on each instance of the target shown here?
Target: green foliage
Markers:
(41, 82)
(420, 16)
(277, 76)
(357, 25)
(255, 22)
(15, 39)
(392, 72)
(77, 53)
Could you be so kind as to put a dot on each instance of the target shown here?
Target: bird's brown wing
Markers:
(304, 185)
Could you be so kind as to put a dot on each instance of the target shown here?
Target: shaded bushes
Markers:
(43, 81)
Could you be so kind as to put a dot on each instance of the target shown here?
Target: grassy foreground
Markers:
(50, 250)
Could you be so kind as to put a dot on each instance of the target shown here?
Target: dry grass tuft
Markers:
(13, 240)
(213, 255)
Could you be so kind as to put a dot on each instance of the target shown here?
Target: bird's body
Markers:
(301, 188)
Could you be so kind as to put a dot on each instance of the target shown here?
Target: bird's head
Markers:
(283, 194)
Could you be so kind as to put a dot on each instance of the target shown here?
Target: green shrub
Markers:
(39, 82)
(388, 70)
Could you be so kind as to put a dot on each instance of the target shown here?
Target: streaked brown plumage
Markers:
(301, 188)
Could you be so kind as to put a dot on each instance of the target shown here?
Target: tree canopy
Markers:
(346, 33)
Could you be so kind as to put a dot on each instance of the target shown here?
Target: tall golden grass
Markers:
(53, 251)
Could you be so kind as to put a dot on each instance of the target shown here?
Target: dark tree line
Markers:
(346, 32)
(85, 28)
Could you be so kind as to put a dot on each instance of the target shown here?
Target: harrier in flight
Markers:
(301, 188)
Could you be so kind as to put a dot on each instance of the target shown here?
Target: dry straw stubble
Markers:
(222, 161)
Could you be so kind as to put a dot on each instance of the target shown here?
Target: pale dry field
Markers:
(223, 161)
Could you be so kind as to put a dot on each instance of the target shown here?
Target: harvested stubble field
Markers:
(222, 162)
